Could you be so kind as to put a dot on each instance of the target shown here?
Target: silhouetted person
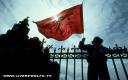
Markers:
(97, 61)
(20, 54)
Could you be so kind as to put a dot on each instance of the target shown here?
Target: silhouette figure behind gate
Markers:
(97, 66)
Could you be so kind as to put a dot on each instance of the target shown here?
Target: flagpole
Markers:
(82, 18)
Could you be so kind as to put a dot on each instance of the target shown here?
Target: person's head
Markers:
(97, 40)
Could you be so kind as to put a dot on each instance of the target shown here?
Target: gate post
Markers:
(66, 65)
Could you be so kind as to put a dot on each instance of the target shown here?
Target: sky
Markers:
(105, 18)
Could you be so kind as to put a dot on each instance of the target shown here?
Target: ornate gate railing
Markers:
(75, 53)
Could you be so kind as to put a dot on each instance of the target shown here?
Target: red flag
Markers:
(62, 26)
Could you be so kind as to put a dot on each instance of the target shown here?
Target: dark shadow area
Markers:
(21, 55)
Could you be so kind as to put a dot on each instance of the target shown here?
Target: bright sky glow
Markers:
(56, 18)
(101, 18)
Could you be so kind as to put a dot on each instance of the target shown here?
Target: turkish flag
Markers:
(63, 25)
